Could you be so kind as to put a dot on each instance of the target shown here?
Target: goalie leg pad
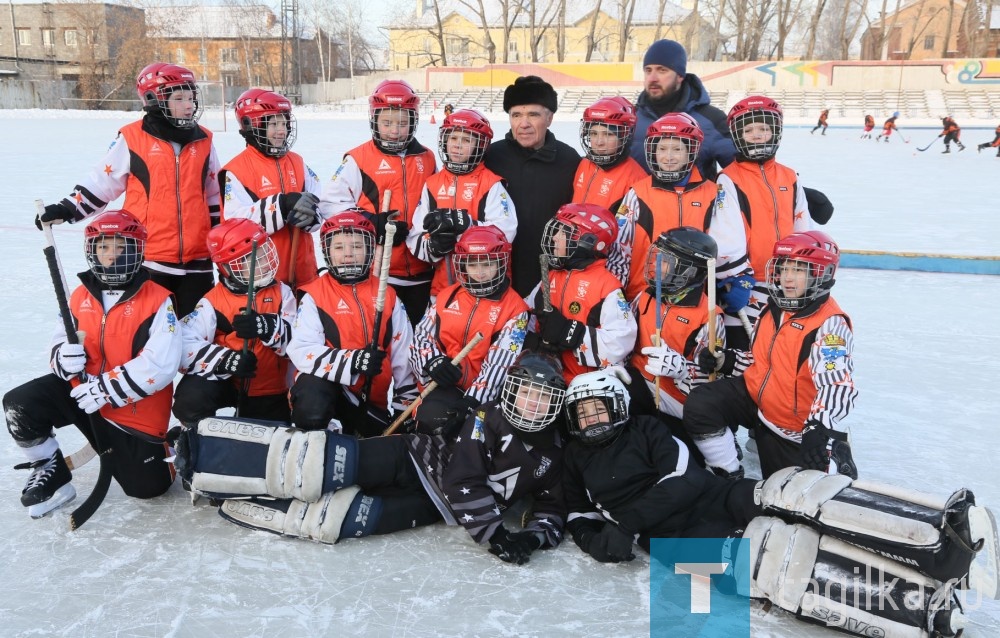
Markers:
(920, 530)
(233, 457)
(828, 582)
(321, 521)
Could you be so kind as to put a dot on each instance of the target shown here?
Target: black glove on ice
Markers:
(513, 548)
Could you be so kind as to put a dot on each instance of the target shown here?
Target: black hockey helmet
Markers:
(683, 255)
(533, 393)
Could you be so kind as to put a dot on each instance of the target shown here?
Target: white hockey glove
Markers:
(91, 395)
(665, 362)
(71, 358)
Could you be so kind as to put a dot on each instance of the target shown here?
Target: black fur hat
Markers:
(530, 89)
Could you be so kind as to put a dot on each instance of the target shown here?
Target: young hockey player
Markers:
(800, 385)
(166, 166)
(482, 301)
(951, 132)
(464, 193)
(869, 126)
(770, 197)
(217, 371)
(675, 194)
(269, 184)
(888, 127)
(994, 143)
(334, 346)
(607, 171)
(118, 378)
(589, 323)
(811, 542)
(342, 488)
(393, 160)
(821, 123)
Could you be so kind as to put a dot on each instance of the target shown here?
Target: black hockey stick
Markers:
(928, 146)
(86, 509)
(251, 300)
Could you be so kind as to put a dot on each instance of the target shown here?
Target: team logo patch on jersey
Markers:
(622, 304)
(477, 428)
(264, 181)
(543, 467)
(574, 307)
(834, 351)
(469, 192)
(384, 166)
(171, 318)
(581, 289)
(720, 197)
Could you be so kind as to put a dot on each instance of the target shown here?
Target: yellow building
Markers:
(920, 30)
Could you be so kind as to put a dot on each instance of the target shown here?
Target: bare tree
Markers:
(480, 12)
(591, 41)
(813, 29)
(851, 15)
(437, 32)
(510, 10)
(626, 9)
(788, 12)
(947, 28)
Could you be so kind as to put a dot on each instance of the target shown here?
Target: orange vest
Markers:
(115, 339)
(166, 192)
(347, 313)
(265, 176)
(679, 332)
(605, 186)
(767, 197)
(661, 210)
(779, 379)
(405, 175)
(467, 192)
(579, 295)
(460, 316)
(271, 369)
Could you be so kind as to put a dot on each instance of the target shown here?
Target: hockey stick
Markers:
(383, 283)
(293, 256)
(745, 320)
(545, 288)
(929, 145)
(710, 325)
(86, 509)
(251, 300)
(656, 340)
(476, 338)
(380, 248)
(81, 457)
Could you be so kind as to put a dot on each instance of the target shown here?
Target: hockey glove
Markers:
(611, 545)
(256, 326)
(299, 210)
(55, 214)
(441, 370)
(734, 292)
(723, 361)
(454, 221)
(513, 548)
(236, 364)
(820, 206)
(559, 333)
(380, 220)
(665, 362)
(367, 361)
(91, 395)
(821, 445)
(70, 360)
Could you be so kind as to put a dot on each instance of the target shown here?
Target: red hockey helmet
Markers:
(475, 124)
(230, 245)
(578, 234)
(617, 117)
(813, 252)
(481, 260)
(114, 245)
(677, 160)
(257, 111)
(158, 81)
(348, 240)
(763, 141)
(398, 96)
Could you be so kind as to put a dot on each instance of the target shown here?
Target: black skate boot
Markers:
(979, 149)
(946, 150)
(961, 147)
(49, 485)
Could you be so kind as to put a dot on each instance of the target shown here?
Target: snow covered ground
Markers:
(925, 370)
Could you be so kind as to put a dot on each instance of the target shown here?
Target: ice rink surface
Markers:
(925, 419)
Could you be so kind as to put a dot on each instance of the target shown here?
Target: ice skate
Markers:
(984, 574)
(48, 487)
(946, 150)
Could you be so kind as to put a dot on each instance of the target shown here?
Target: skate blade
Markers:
(984, 574)
(63, 495)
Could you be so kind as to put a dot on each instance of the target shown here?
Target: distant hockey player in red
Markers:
(166, 166)
(272, 186)
(822, 122)
(888, 127)
(607, 171)
(118, 378)
(951, 132)
(994, 143)
(869, 126)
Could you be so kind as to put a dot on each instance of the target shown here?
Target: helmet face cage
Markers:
(621, 131)
(579, 231)
(678, 272)
(560, 236)
(477, 141)
(354, 248)
(158, 82)
(114, 246)
(238, 268)
(610, 393)
(468, 268)
(257, 111)
(400, 118)
(677, 173)
(763, 149)
(530, 405)
(812, 253)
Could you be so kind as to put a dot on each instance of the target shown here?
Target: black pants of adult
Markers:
(386, 470)
(726, 403)
(187, 289)
(196, 398)
(35, 408)
(315, 401)
(415, 299)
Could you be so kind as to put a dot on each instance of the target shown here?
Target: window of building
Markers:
(202, 55)
(230, 55)
(928, 43)
(179, 55)
(256, 57)
(24, 37)
(48, 37)
(69, 37)
(229, 79)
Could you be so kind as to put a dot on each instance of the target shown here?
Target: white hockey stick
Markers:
(81, 457)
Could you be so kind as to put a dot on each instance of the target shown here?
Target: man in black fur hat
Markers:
(538, 170)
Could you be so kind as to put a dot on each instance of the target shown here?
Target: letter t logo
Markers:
(701, 583)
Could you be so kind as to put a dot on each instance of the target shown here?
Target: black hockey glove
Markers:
(822, 445)
(611, 545)
(820, 206)
(256, 326)
(445, 225)
(299, 209)
(55, 214)
(441, 370)
(236, 364)
(368, 361)
(380, 220)
(559, 333)
(513, 548)
(723, 361)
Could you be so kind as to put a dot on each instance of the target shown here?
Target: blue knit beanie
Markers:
(669, 54)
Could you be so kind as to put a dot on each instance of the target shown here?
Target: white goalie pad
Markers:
(320, 521)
